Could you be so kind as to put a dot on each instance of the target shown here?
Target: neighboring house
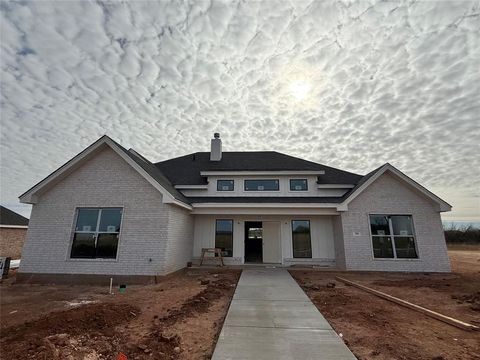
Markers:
(110, 211)
(13, 228)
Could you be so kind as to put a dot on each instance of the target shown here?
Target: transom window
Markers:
(96, 233)
(298, 185)
(393, 237)
(224, 237)
(302, 242)
(225, 185)
(262, 185)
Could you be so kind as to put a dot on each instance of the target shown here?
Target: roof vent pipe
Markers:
(216, 148)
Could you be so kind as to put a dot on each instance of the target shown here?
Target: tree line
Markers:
(465, 234)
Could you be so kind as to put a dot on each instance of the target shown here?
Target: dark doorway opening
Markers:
(253, 242)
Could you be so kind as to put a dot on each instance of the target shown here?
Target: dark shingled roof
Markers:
(9, 217)
(265, 200)
(185, 170)
(154, 172)
(362, 181)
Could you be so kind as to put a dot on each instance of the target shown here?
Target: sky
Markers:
(347, 84)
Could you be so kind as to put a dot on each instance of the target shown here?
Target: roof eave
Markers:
(264, 205)
(260, 172)
(30, 196)
(443, 205)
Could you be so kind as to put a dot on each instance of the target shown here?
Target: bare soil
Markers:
(374, 328)
(179, 318)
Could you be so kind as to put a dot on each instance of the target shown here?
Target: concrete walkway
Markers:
(270, 317)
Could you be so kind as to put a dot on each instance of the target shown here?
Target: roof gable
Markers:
(368, 179)
(145, 168)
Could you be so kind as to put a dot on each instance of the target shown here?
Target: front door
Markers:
(253, 241)
(272, 252)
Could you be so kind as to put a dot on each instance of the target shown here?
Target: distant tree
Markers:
(466, 234)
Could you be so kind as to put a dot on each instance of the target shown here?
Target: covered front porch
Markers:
(257, 239)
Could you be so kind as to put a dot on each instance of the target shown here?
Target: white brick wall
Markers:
(158, 238)
(387, 195)
(338, 241)
(322, 236)
(106, 180)
(180, 239)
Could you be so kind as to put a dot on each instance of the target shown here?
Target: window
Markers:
(224, 237)
(225, 185)
(261, 185)
(298, 185)
(392, 236)
(96, 233)
(302, 244)
(255, 233)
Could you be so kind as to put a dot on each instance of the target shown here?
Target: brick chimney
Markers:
(216, 148)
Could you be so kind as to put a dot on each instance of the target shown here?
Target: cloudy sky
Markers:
(351, 85)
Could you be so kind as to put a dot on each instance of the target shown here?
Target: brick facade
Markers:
(388, 195)
(11, 242)
(105, 180)
(157, 238)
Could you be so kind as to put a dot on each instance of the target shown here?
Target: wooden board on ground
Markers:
(446, 319)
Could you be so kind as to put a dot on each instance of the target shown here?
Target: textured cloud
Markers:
(351, 85)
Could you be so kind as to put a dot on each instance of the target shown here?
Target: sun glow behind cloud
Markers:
(299, 86)
(300, 89)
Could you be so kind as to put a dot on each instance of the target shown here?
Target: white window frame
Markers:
(296, 191)
(310, 235)
(257, 190)
(392, 237)
(96, 232)
(232, 180)
(215, 234)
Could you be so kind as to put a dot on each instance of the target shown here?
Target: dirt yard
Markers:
(179, 318)
(374, 328)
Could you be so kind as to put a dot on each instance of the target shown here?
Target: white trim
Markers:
(30, 197)
(289, 186)
(257, 190)
(14, 226)
(255, 172)
(167, 197)
(266, 211)
(181, 204)
(191, 186)
(444, 206)
(223, 191)
(335, 186)
(264, 205)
